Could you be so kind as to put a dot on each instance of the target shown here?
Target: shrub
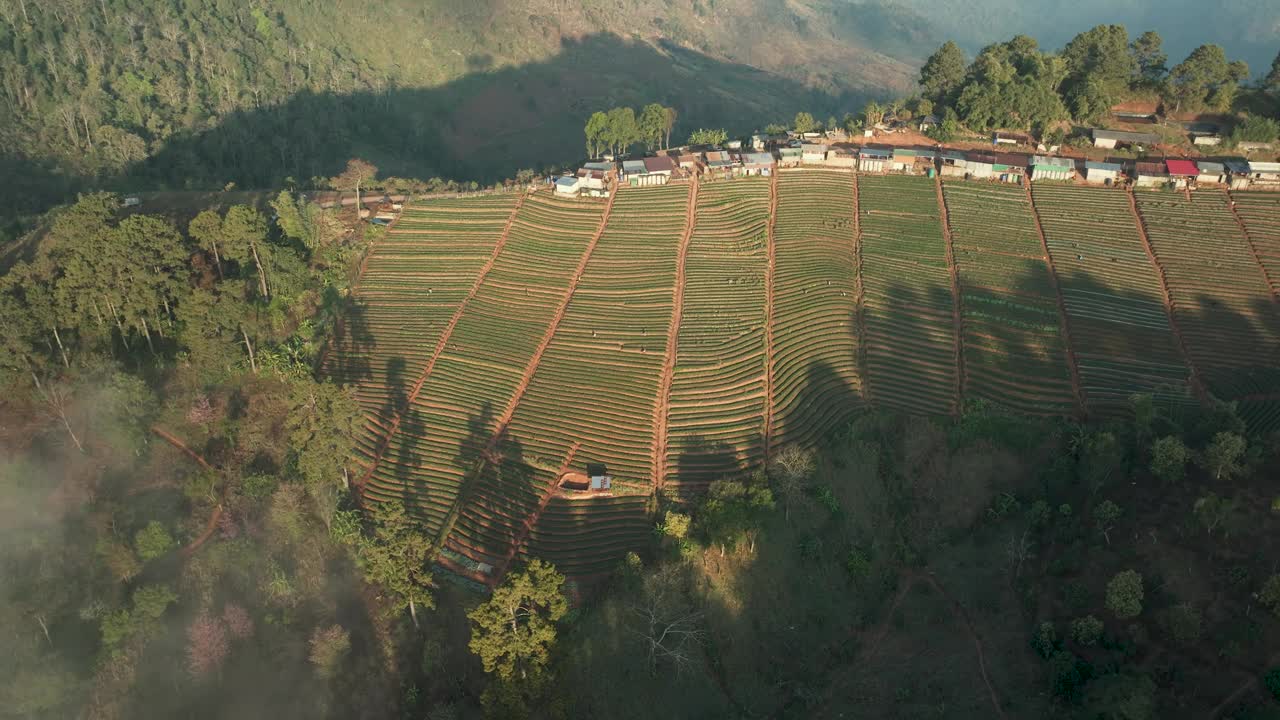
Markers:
(1124, 594)
(153, 541)
(1270, 594)
(1272, 682)
(1183, 623)
(1045, 640)
(328, 648)
(1087, 630)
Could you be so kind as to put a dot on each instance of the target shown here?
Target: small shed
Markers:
(601, 165)
(903, 160)
(789, 156)
(1147, 174)
(759, 163)
(873, 160)
(1115, 138)
(691, 162)
(1005, 138)
(842, 157)
(1211, 172)
(569, 185)
(1250, 146)
(812, 153)
(1206, 139)
(589, 179)
(1044, 167)
(599, 478)
(952, 164)
(1238, 173)
(718, 161)
(1181, 171)
(1010, 168)
(928, 122)
(1102, 173)
(734, 145)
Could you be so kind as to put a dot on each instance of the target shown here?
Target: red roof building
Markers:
(661, 164)
(1182, 168)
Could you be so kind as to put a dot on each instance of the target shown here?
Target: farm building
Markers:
(842, 157)
(873, 160)
(1211, 172)
(602, 166)
(980, 165)
(760, 163)
(1010, 168)
(789, 156)
(1182, 171)
(1115, 138)
(1206, 139)
(1238, 173)
(953, 164)
(1146, 174)
(592, 182)
(928, 121)
(1264, 173)
(813, 154)
(661, 165)
(904, 160)
(599, 477)
(761, 142)
(837, 135)
(720, 162)
(1102, 173)
(1044, 167)
(691, 162)
(1005, 138)
(567, 186)
(734, 145)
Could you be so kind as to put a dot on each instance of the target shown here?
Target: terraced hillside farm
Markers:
(1113, 295)
(683, 333)
(1015, 350)
(911, 345)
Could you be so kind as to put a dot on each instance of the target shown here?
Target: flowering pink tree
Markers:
(207, 645)
(238, 621)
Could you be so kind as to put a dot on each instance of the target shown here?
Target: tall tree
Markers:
(669, 116)
(595, 130)
(397, 556)
(206, 229)
(1272, 81)
(1098, 62)
(804, 123)
(244, 236)
(623, 130)
(652, 124)
(323, 422)
(357, 174)
(1149, 58)
(514, 630)
(943, 73)
(1206, 79)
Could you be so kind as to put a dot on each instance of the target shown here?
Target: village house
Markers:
(1264, 173)
(599, 478)
(842, 157)
(719, 162)
(1102, 173)
(1111, 139)
(568, 185)
(873, 160)
(1211, 172)
(789, 156)
(690, 162)
(903, 160)
(1238, 174)
(760, 163)
(1150, 174)
(1044, 167)
(606, 167)
(1010, 168)
(761, 142)
(1182, 172)
(952, 164)
(979, 165)
(592, 182)
(813, 154)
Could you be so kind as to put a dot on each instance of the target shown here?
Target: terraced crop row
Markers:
(1014, 351)
(454, 417)
(910, 339)
(1221, 299)
(816, 378)
(413, 282)
(1259, 213)
(1113, 296)
(585, 536)
(595, 385)
(717, 402)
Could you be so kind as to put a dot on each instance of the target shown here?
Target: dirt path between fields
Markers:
(1064, 321)
(441, 344)
(1196, 384)
(662, 403)
(769, 273)
(526, 527)
(957, 319)
(1253, 249)
(860, 298)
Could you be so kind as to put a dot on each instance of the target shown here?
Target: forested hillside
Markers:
(202, 93)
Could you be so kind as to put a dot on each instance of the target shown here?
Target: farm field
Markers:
(910, 339)
(1113, 295)
(1015, 352)
(679, 334)
(1259, 214)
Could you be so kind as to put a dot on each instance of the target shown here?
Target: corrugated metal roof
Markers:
(1156, 168)
(599, 166)
(760, 158)
(1264, 167)
(1123, 136)
(1182, 167)
(1011, 159)
(875, 153)
(567, 182)
(789, 152)
(659, 164)
(1110, 167)
(1049, 161)
(1207, 168)
(813, 148)
(633, 166)
(1237, 166)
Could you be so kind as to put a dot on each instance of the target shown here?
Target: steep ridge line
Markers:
(489, 454)
(860, 313)
(1077, 388)
(518, 394)
(957, 321)
(1197, 385)
(526, 527)
(1253, 249)
(770, 270)
(442, 343)
(662, 402)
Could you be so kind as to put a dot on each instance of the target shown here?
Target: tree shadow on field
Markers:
(348, 361)
(499, 492)
(701, 462)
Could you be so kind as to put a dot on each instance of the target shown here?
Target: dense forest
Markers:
(178, 533)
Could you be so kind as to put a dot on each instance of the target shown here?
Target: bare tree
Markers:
(791, 469)
(56, 397)
(669, 626)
